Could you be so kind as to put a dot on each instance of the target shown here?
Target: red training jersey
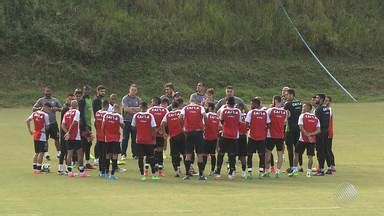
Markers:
(278, 116)
(173, 122)
(310, 123)
(72, 115)
(193, 116)
(112, 123)
(211, 126)
(230, 118)
(40, 122)
(99, 116)
(243, 126)
(158, 113)
(144, 122)
(258, 120)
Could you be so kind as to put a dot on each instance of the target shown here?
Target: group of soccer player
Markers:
(201, 130)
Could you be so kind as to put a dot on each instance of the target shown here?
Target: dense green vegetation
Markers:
(69, 43)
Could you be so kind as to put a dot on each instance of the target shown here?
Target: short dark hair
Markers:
(229, 87)
(321, 96)
(180, 101)
(100, 87)
(211, 105)
(156, 100)
(329, 98)
(175, 104)
(169, 85)
(231, 101)
(211, 90)
(86, 86)
(291, 91)
(164, 100)
(256, 101)
(308, 104)
(277, 98)
(240, 106)
(143, 104)
(105, 103)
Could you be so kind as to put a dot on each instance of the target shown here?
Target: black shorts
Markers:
(73, 145)
(292, 137)
(256, 146)
(195, 142)
(302, 146)
(102, 147)
(63, 145)
(271, 143)
(112, 148)
(53, 131)
(210, 146)
(39, 146)
(159, 142)
(145, 149)
(242, 148)
(178, 145)
(227, 145)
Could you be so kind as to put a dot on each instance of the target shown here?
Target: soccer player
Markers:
(71, 128)
(230, 118)
(158, 113)
(40, 120)
(78, 94)
(294, 107)
(199, 95)
(209, 98)
(211, 130)
(100, 137)
(96, 106)
(112, 101)
(169, 92)
(145, 125)
(112, 122)
(175, 133)
(130, 104)
(53, 131)
(63, 145)
(229, 92)
(192, 117)
(242, 148)
(332, 165)
(309, 127)
(278, 117)
(323, 114)
(85, 108)
(257, 121)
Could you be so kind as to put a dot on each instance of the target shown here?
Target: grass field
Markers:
(358, 148)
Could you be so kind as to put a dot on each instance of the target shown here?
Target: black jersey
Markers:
(323, 113)
(294, 107)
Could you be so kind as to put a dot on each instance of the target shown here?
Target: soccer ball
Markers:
(45, 168)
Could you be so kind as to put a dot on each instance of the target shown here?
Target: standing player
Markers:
(40, 120)
(294, 107)
(229, 92)
(332, 165)
(278, 117)
(175, 133)
(309, 127)
(199, 95)
(158, 113)
(211, 130)
(112, 122)
(169, 92)
(323, 114)
(97, 104)
(257, 121)
(100, 137)
(230, 118)
(53, 131)
(145, 125)
(242, 142)
(71, 128)
(192, 117)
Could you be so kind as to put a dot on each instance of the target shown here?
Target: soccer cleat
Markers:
(120, 170)
(277, 174)
(212, 173)
(60, 172)
(143, 178)
(293, 173)
(260, 174)
(202, 178)
(146, 172)
(89, 167)
(231, 177)
(113, 177)
(329, 172)
(289, 170)
(309, 174)
(177, 174)
(102, 175)
(333, 169)
(244, 174)
(187, 177)
(267, 174)
(161, 173)
(72, 174)
(217, 176)
(96, 162)
(319, 174)
(273, 170)
(155, 177)
(84, 174)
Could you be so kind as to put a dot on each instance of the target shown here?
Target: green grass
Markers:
(358, 148)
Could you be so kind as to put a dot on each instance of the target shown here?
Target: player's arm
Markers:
(121, 122)
(28, 121)
(317, 131)
(162, 127)
(303, 130)
(181, 119)
(57, 107)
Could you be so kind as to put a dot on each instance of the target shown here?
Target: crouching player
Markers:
(40, 123)
(112, 122)
(177, 137)
(309, 127)
(71, 128)
(145, 127)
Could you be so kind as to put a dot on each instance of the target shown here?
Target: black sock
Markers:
(300, 159)
(141, 165)
(187, 167)
(213, 162)
(249, 161)
(34, 166)
(114, 166)
(69, 168)
(243, 165)
(107, 162)
(262, 161)
(220, 159)
(152, 163)
(272, 160)
(147, 163)
(175, 160)
(201, 168)
(38, 167)
(205, 159)
(160, 159)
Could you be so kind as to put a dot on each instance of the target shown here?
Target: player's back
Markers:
(278, 118)
(258, 120)
(193, 117)
(231, 119)
(211, 126)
